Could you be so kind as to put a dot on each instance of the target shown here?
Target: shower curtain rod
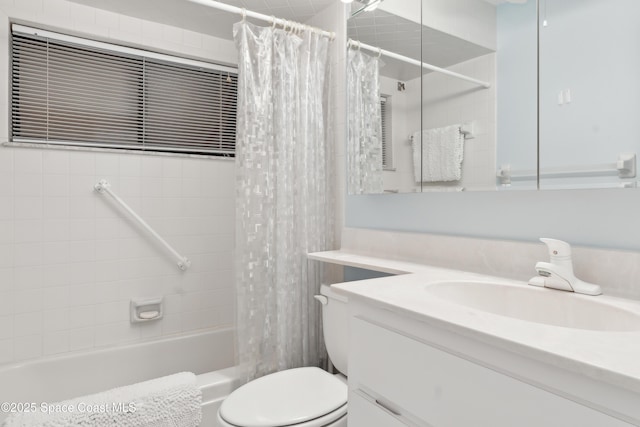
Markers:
(251, 14)
(387, 53)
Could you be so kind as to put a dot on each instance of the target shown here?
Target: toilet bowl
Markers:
(300, 397)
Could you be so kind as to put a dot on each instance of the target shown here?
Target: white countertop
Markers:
(613, 357)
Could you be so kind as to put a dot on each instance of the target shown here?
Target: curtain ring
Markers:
(244, 14)
(379, 53)
(273, 27)
(359, 45)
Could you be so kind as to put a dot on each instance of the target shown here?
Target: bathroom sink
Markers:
(540, 305)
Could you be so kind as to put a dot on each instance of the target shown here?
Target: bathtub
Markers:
(209, 354)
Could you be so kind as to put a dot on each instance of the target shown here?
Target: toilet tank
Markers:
(335, 322)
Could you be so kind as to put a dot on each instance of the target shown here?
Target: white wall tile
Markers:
(82, 316)
(53, 208)
(55, 230)
(6, 279)
(6, 207)
(58, 11)
(81, 339)
(26, 208)
(7, 303)
(6, 161)
(55, 162)
(81, 163)
(82, 295)
(56, 297)
(55, 320)
(130, 165)
(27, 185)
(81, 229)
(27, 347)
(6, 327)
(28, 301)
(27, 254)
(6, 232)
(28, 161)
(27, 324)
(6, 185)
(71, 260)
(56, 185)
(28, 277)
(6, 351)
(27, 231)
(55, 342)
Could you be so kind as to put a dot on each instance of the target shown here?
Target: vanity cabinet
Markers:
(398, 379)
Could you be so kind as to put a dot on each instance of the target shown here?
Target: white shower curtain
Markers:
(364, 142)
(284, 196)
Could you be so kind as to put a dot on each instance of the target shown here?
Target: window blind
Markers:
(387, 145)
(72, 91)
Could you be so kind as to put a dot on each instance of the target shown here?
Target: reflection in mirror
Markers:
(437, 97)
(458, 114)
(517, 127)
(380, 97)
(589, 86)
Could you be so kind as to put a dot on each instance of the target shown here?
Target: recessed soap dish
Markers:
(146, 310)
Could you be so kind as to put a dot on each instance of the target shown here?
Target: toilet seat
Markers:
(302, 397)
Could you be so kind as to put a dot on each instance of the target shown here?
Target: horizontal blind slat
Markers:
(63, 93)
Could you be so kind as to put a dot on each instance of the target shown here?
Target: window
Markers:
(387, 140)
(71, 91)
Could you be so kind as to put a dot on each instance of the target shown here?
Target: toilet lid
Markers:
(285, 398)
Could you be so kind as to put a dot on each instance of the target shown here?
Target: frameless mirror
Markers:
(383, 105)
(589, 93)
(435, 97)
(560, 95)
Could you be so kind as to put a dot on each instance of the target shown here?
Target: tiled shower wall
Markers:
(70, 260)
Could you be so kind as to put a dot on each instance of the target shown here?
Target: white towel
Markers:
(441, 156)
(172, 401)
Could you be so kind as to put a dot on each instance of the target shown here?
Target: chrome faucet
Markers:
(558, 274)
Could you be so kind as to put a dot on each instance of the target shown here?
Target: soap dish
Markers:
(146, 310)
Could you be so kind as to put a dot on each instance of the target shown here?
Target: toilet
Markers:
(300, 397)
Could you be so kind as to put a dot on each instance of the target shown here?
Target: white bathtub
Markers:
(208, 354)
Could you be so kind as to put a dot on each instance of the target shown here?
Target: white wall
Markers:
(69, 261)
(592, 48)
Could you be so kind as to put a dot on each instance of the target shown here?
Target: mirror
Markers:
(585, 126)
(384, 94)
(589, 93)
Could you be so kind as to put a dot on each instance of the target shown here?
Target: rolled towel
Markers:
(172, 401)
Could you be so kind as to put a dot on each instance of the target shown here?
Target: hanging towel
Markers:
(172, 401)
(441, 156)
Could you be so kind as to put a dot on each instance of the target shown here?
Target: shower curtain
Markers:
(364, 124)
(285, 202)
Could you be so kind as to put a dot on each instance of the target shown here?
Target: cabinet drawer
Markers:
(448, 391)
(365, 412)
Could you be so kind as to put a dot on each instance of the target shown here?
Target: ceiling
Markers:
(207, 20)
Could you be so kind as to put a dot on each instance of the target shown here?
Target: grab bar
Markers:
(624, 167)
(103, 187)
